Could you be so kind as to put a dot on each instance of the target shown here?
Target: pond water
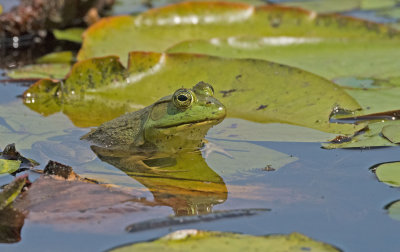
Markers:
(329, 195)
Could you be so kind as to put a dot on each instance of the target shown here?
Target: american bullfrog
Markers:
(172, 124)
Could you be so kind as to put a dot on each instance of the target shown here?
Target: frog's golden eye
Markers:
(183, 98)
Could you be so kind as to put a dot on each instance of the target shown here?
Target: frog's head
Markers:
(182, 120)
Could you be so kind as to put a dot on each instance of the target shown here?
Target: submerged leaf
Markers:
(388, 173)
(101, 89)
(197, 240)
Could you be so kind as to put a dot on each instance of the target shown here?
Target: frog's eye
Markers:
(182, 98)
(203, 88)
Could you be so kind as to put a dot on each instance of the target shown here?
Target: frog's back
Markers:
(126, 130)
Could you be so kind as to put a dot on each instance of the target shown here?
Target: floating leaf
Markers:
(309, 53)
(57, 57)
(38, 71)
(197, 240)
(206, 20)
(103, 87)
(72, 34)
(370, 137)
(388, 173)
(393, 209)
(9, 166)
(392, 132)
(374, 101)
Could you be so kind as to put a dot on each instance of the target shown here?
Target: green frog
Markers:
(174, 123)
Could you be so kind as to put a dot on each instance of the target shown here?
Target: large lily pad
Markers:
(196, 240)
(327, 57)
(100, 89)
(206, 20)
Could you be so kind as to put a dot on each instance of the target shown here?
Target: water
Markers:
(329, 195)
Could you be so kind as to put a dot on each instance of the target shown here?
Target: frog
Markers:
(174, 123)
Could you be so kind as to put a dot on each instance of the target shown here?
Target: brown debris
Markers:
(36, 17)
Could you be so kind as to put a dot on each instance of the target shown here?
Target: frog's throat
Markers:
(192, 123)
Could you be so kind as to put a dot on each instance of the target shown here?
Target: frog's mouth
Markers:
(189, 124)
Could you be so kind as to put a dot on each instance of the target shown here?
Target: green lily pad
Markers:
(325, 6)
(393, 210)
(197, 240)
(9, 166)
(374, 101)
(71, 34)
(100, 89)
(38, 71)
(329, 58)
(329, 6)
(389, 173)
(370, 137)
(206, 20)
(392, 132)
(57, 57)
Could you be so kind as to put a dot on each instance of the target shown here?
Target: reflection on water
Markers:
(181, 181)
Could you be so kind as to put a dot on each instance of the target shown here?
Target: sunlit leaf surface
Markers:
(196, 240)
(205, 20)
(72, 34)
(38, 71)
(9, 166)
(389, 173)
(104, 87)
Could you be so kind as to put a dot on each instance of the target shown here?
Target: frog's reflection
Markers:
(182, 181)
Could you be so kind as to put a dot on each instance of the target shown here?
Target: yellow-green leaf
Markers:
(100, 89)
(9, 166)
(389, 173)
(158, 29)
(197, 240)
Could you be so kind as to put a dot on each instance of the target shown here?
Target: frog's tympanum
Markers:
(172, 124)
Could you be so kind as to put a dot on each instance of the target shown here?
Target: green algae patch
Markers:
(196, 240)
(100, 89)
(207, 20)
(388, 173)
